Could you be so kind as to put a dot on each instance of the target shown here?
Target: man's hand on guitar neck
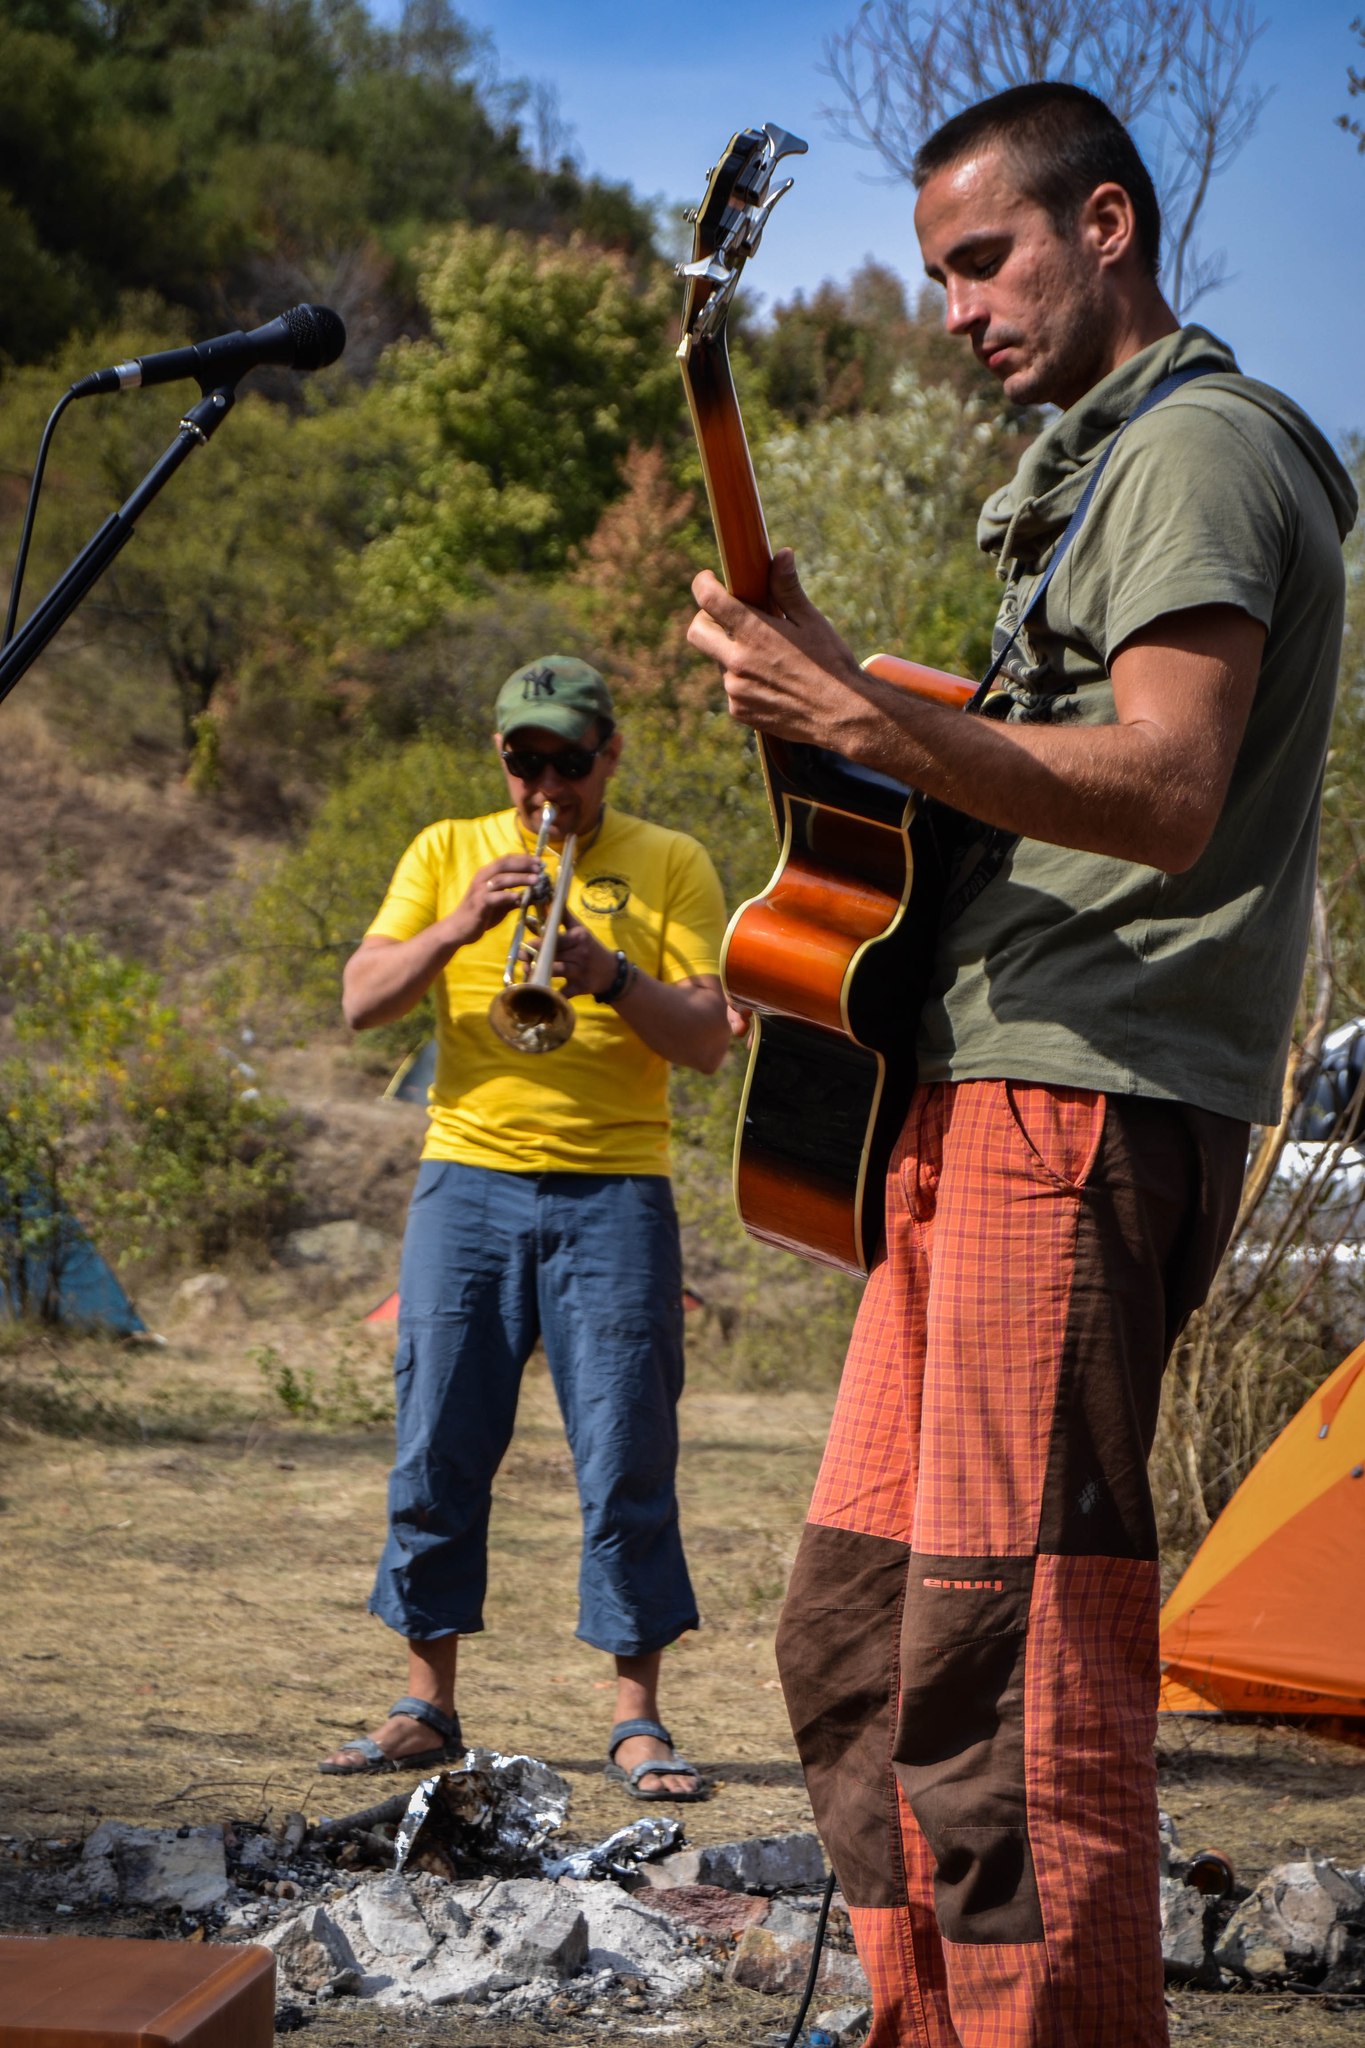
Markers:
(1147, 788)
(787, 673)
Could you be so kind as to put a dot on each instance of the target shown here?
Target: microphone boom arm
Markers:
(51, 612)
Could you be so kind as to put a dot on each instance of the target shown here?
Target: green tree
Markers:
(881, 509)
(221, 153)
(1342, 861)
(241, 563)
(545, 363)
(838, 351)
(93, 204)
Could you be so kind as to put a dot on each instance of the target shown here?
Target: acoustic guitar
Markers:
(834, 955)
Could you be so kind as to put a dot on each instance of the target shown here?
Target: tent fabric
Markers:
(65, 1275)
(387, 1311)
(412, 1081)
(1270, 1616)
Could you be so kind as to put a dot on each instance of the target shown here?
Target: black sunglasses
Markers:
(573, 763)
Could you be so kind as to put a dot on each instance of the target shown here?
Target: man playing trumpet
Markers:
(543, 1210)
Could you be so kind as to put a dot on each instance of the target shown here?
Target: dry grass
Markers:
(187, 1573)
(185, 1577)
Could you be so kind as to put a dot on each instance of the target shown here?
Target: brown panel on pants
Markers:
(843, 1630)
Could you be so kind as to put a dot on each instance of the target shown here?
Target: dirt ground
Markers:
(185, 1575)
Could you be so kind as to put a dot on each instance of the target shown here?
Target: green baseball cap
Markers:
(559, 693)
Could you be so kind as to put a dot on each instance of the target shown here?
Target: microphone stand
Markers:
(50, 613)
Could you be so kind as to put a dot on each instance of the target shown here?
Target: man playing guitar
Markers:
(969, 1644)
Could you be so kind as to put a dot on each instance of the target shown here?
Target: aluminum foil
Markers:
(491, 1813)
(618, 1855)
(496, 1813)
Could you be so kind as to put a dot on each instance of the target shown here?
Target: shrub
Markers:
(118, 1109)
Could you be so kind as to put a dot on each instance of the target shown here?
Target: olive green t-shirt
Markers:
(1082, 970)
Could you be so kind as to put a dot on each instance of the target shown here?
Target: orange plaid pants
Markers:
(969, 1644)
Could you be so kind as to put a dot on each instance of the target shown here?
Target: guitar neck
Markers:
(731, 487)
(737, 513)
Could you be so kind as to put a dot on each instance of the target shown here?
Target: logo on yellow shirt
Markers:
(605, 895)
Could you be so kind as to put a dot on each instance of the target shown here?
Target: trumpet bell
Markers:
(531, 1017)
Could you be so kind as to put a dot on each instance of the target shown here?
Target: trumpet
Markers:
(529, 1015)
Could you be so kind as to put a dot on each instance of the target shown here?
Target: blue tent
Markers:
(61, 1276)
(412, 1080)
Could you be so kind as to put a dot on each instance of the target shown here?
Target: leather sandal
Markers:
(676, 1766)
(371, 1759)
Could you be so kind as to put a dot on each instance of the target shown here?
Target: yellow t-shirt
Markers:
(598, 1103)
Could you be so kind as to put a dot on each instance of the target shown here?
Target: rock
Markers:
(710, 1908)
(764, 1863)
(392, 1922)
(847, 2023)
(553, 1943)
(1284, 1929)
(312, 1953)
(771, 1959)
(347, 1246)
(524, 1931)
(799, 1916)
(632, 1938)
(1185, 1947)
(1168, 1839)
(475, 1943)
(185, 1867)
(205, 1298)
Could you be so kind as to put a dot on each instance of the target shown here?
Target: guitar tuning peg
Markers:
(709, 173)
(690, 214)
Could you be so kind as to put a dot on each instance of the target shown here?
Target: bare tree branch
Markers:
(1177, 65)
(1355, 86)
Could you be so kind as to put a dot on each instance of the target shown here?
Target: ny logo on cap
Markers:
(537, 682)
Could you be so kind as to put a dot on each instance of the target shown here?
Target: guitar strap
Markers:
(982, 857)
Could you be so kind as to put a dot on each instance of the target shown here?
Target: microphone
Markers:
(304, 338)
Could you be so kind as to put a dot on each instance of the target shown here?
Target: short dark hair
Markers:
(1065, 142)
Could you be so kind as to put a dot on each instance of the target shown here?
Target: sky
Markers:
(651, 95)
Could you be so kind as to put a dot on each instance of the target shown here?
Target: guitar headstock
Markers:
(740, 196)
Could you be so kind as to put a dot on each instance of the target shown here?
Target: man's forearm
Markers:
(388, 977)
(1111, 789)
(685, 1023)
(1147, 788)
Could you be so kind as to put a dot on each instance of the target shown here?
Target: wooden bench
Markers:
(77, 1991)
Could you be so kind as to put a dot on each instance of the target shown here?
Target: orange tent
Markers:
(387, 1311)
(1270, 1616)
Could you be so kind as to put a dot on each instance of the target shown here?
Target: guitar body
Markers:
(834, 957)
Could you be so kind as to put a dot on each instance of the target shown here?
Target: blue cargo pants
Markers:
(492, 1261)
